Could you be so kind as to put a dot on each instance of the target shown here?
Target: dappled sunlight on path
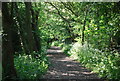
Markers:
(64, 67)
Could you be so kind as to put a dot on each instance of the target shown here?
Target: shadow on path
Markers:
(64, 67)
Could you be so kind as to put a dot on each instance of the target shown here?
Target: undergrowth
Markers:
(30, 68)
(105, 63)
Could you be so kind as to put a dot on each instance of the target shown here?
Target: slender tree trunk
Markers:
(16, 42)
(84, 24)
(21, 30)
(28, 28)
(9, 71)
(37, 39)
(83, 35)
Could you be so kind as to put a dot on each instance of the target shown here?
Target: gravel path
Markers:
(64, 67)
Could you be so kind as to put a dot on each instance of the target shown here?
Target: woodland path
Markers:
(64, 67)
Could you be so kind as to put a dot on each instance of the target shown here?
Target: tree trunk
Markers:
(28, 28)
(83, 35)
(21, 30)
(37, 39)
(9, 71)
(84, 24)
(16, 42)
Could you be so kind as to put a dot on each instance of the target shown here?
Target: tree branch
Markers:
(69, 9)
(58, 12)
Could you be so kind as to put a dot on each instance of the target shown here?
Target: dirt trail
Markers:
(64, 67)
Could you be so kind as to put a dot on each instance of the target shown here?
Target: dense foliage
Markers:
(89, 32)
(24, 42)
(30, 68)
(106, 64)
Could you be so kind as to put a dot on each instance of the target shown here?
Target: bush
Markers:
(66, 48)
(30, 68)
(106, 64)
(55, 43)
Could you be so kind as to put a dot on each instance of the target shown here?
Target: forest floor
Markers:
(64, 67)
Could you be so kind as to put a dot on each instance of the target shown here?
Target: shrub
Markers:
(66, 48)
(30, 68)
(106, 64)
(55, 43)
